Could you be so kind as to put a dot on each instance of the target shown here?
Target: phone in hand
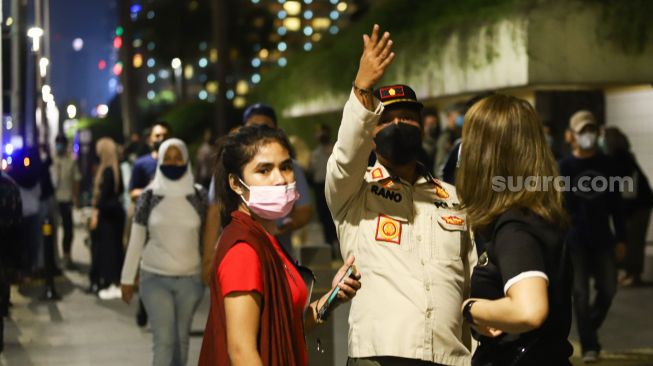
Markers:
(323, 312)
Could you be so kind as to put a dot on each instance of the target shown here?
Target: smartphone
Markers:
(323, 312)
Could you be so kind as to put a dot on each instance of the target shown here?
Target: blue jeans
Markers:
(598, 263)
(170, 302)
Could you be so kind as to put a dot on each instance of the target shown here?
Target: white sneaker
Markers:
(590, 357)
(110, 293)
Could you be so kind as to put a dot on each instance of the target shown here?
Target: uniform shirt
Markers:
(412, 248)
(240, 270)
(66, 174)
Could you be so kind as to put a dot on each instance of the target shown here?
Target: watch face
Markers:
(483, 260)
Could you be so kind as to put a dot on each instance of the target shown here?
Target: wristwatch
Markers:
(467, 312)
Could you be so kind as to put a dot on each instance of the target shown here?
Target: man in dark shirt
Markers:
(594, 207)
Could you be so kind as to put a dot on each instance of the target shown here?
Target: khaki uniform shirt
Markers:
(412, 247)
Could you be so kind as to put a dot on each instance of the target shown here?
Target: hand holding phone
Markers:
(325, 309)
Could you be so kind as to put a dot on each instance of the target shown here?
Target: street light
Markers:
(72, 111)
(35, 33)
(43, 66)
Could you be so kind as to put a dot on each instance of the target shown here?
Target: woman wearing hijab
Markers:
(165, 239)
(107, 221)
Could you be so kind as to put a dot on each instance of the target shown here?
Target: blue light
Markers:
(308, 31)
(9, 149)
(255, 1)
(203, 95)
(151, 95)
(282, 46)
(308, 46)
(334, 15)
(334, 2)
(203, 62)
(308, 1)
(282, 31)
(282, 14)
(151, 62)
(9, 160)
(136, 8)
(76, 147)
(151, 79)
(150, 14)
(308, 14)
(334, 29)
(151, 46)
(203, 46)
(256, 62)
(256, 78)
(283, 62)
(113, 83)
(230, 94)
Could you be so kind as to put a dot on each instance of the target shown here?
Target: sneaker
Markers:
(110, 293)
(590, 357)
(141, 315)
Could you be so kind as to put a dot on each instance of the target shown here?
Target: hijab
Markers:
(163, 186)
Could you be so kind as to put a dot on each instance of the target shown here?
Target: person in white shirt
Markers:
(165, 237)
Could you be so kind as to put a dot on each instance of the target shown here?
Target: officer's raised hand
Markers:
(376, 57)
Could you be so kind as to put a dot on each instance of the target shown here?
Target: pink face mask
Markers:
(271, 202)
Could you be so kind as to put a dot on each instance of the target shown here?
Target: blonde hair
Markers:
(107, 151)
(503, 137)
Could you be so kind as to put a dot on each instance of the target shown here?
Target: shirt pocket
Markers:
(449, 231)
(388, 219)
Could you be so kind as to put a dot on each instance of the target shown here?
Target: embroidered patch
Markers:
(440, 192)
(388, 229)
(453, 220)
(377, 173)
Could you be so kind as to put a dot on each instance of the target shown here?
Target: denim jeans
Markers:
(170, 302)
(598, 263)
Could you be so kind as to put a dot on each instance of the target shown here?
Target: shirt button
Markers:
(422, 261)
(428, 287)
(419, 238)
(428, 314)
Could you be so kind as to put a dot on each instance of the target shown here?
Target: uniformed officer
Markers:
(410, 241)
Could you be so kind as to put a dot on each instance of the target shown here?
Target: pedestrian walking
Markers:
(67, 177)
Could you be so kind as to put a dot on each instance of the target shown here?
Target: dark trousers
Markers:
(388, 361)
(636, 228)
(66, 214)
(599, 264)
(328, 228)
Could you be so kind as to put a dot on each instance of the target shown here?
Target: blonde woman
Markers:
(107, 222)
(520, 308)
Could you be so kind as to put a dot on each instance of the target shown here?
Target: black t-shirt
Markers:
(525, 246)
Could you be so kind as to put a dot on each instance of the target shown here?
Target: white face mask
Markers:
(587, 140)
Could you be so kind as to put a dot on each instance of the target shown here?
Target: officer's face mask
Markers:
(399, 142)
(586, 140)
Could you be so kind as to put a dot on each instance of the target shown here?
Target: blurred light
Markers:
(150, 14)
(334, 15)
(282, 31)
(292, 24)
(164, 74)
(203, 62)
(136, 8)
(35, 34)
(203, 95)
(308, 31)
(9, 149)
(9, 125)
(316, 37)
(9, 21)
(282, 46)
(213, 55)
(308, 1)
(176, 63)
(212, 87)
(78, 44)
(137, 60)
(202, 78)
(256, 62)
(242, 87)
(240, 102)
(137, 43)
(151, 62)
(308, 14)
(46, 90)
(282, 62)
(151, 46)
(43, 66)
(255, 1)
(189, 72)
(117, 42)
(102, 110)
(308, 46)
(334, 29)
(151, 95)
(282, 1)
(263, 54)
(282, 14)
(256, 78)
(26, 161)
(4, 164)
(120, 89)
(10, 160)
(334, 2)
(321, 23)
(119, 31)
(203, 46)
(230, 94)
(342, 6)
(71, 110)
(151, 79)
(293, 7)
(117, 69)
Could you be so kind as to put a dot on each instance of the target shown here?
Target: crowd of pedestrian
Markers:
(440, 266)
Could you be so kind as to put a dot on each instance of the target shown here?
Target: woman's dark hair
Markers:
(238, 149)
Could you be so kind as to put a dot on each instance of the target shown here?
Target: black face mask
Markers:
(323, 138)
(173, 172)
(399, 142)
(156, 145)
(434, 132)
